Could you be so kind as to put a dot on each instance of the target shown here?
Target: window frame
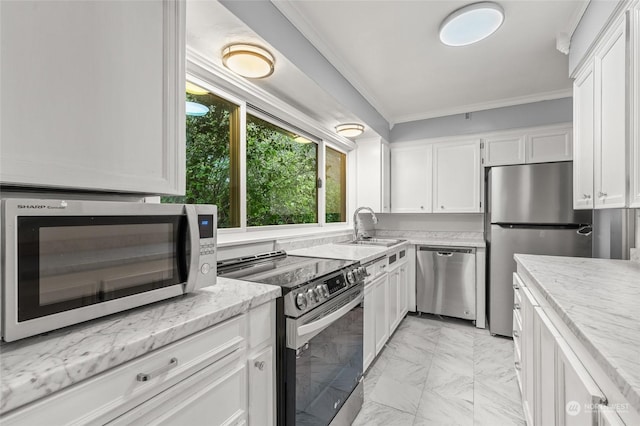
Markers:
(267, 232)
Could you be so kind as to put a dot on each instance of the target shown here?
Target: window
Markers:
(282, 172)
(336, 188)
(213, 158)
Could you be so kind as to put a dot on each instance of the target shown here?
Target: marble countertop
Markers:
(35, 367)
(437, 238)
(361, 253)
(599, 300)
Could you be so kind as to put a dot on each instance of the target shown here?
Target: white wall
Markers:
(518, 116)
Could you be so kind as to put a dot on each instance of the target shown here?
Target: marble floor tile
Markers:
(442, 372)
(406, 372)
(437, 409)
(396, 394)
(374, 414)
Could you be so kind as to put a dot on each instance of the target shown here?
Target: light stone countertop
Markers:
(38, 366)
(362, 253)
(599, 300)
(437, 238)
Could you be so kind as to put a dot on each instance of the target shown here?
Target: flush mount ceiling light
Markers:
(196, 110)
(350, 130)
(248, 60)
(471, 23)
(195, 89)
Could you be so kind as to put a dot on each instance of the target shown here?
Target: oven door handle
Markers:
(328, 319)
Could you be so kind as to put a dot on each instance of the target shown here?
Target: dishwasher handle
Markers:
(447, 251)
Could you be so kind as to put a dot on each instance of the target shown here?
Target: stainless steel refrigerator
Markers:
(529, 210)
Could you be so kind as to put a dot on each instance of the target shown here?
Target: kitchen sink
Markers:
(382, 242)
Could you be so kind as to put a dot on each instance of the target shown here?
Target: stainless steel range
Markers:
(320, 334)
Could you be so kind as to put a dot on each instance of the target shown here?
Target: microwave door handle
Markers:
(194, 240)
(328, 319)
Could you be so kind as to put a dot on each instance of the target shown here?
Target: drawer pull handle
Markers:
(516, 306)
(518, 366)
(259, 365)
(516, 287)
(515, 333)
(145, 377)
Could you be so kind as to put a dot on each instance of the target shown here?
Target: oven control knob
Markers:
(301, 301)
(363, 271)
(325, 290)
(320, 292)
(311, 296)
(350, 277)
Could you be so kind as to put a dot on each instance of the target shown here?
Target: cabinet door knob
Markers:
(602, 194)
(516, 306)
(515, 333)
(422, 207)
(145, 377)
(442, 207)
(259, 365)
(518, 365)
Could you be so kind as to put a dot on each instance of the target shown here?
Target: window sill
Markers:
(229, 237)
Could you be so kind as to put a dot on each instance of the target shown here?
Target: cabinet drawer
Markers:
(215, 395)
(261, 324)
(118, 390)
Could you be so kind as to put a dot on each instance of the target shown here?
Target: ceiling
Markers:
(390, 53)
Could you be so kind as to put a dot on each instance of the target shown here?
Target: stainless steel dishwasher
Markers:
(446, 281)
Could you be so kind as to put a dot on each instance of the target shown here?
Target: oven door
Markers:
(324, 359)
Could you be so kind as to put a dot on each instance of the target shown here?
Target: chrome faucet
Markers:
(356, 220)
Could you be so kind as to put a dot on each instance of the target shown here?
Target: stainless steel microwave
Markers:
(65, 262)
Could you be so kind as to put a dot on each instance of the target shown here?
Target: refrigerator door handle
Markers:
(585, 230)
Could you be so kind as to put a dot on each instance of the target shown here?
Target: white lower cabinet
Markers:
(220, 375)
(369, 343)
(557, 388)
(381, 310)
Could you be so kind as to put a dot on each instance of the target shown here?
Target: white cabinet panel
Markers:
(381, 310)
(394, 301)
(216, 394)
(528, 361)
(411, 182)
(501, 151)
(456, 177)
(577, 393)
(610, 119)
(369, 343)
(543, 147)
(372, 174)
(545, 337)
(94, 96)
(583, 123)
(403, 291)
(261, 388)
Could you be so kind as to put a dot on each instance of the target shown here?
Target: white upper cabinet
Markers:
(373, 174)
(505, 150)
(583, 117)
(94, 95)
(606, 120)
(549, 145)
(411, 181)
(535, 145)
(610, 120)
(456, 177)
